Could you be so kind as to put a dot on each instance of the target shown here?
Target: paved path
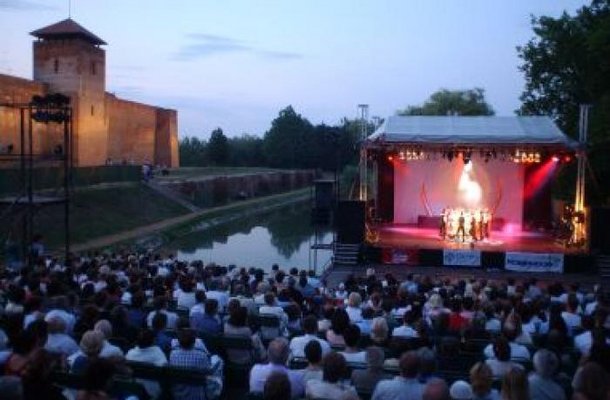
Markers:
(142, 231)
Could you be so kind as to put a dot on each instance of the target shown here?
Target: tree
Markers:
(566, 64)
(450, 102)
(283, 142)
(246, 151)
(193, 152)
(218, 147)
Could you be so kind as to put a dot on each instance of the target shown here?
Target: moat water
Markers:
(280, 236)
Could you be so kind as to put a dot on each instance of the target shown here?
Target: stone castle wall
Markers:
(118, 129)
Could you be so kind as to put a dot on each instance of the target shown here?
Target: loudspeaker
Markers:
(350, 222)
(598, 232)
(325, 194)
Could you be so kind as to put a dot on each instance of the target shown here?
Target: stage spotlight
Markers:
(555, 159)
(567, 158)
(401, 155)
(390, 158)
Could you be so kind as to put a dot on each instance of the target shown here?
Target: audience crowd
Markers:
(288, 335)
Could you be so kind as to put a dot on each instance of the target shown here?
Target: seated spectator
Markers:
(218, 291)
(365, 380)
(352, 354)
(515, 385)
(310, 328)
(147, 352)
(591, 383)
(199, 306)
(460, 390)
(379, 332)
(86, 321)
(97, 375)
(406, 385)
(58, 341)
(339, 322)
(187, 356)
(457, 322)
(136, 316)
(207, 322)
(427, 364)
(584, 340)
(436, 389)
(90, 346)
(108, 349)
(119, 319)
(32, 363)
(501, 364)
(277, 387)
(541, 384)
(570, 315)
(354, 301)
(367, 321)
(183, 323)
(313, 354)
(481, 380)
(272, 308)
(518, 352)
(334, 370)
(341, 293)
(277, 354)
(237, 325)
(60, 307)
(185, 294)
(160, 305)
(159, 324)
(406, 330)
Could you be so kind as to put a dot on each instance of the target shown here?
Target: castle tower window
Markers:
(56, 65)
(93, 69)
(92, 110)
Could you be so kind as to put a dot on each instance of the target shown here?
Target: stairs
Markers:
(603, 266)
(346, 254)
(172, 195)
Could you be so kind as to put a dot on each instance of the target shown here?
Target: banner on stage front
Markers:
(462, 258)
(534, 262)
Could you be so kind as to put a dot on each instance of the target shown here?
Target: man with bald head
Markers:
(277, 354)
(403, 387)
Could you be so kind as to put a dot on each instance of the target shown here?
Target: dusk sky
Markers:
(235, 64)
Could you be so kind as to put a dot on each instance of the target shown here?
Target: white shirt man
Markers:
(404, 331)
(151, 355)
(298, 343)
(172, 318)
(61, 343)
(517, 352)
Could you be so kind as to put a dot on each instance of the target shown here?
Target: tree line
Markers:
(291, 142)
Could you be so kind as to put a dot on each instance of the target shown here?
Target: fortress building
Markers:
(69, 59)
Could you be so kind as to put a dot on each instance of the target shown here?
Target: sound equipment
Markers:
(350, 220)
(599, 233)
(325, 194)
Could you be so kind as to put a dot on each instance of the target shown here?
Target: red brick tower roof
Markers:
(67, 29)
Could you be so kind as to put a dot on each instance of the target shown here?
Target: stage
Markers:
(404, 236)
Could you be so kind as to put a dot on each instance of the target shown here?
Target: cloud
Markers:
(24, 5)
(204, 45)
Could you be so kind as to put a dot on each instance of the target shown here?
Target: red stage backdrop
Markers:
(433, 185)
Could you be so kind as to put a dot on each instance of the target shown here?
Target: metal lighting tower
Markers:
(579, 236)
(363, 110)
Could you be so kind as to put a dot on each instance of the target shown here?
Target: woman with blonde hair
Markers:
(379, 332)
(481, 379)
(354, 301)
(515, 385)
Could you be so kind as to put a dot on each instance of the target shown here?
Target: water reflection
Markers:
(281, 236)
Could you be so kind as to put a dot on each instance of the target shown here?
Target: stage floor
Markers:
(400, 236)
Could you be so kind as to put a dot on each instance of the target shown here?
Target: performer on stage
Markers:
(461, 224)
(444, 218)
(485, 224)
(473, 227)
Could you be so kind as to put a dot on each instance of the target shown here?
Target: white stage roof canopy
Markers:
(471, 131)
